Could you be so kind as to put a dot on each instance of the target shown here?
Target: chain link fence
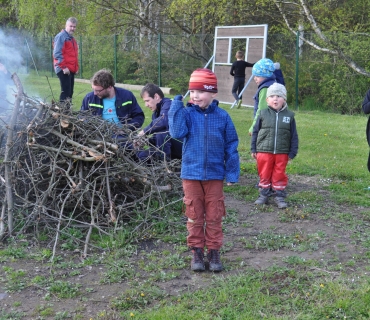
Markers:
(314, 79)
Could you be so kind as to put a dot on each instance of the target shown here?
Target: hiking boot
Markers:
(197, 262)
(238, 105)
(262, 199)
(280, 201)
(213, 257)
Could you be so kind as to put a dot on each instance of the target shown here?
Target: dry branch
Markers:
(64, 168)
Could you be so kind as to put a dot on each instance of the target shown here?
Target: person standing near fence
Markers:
(65, 55)
(238, 72)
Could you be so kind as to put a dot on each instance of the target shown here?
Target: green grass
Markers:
(333, 148)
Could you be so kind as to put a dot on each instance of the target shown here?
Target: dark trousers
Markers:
(238, 87)
(67, 82)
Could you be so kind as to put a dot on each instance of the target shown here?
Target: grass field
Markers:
(319, 248)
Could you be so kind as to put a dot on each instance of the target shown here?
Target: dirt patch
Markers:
(255, 237)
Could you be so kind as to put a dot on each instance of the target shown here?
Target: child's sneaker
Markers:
(280, 201)
(213, 257)
(197, 262)
(239, 104)
(261, 199)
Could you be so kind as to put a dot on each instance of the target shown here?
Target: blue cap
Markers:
(263, 68)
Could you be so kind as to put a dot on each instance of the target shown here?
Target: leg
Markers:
(215, 211)
(194, 201)
(235, 88)
(241, 86)
(195, 209)
(280, 179)
(66, 86)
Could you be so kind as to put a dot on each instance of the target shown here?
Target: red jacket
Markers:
(65, 52)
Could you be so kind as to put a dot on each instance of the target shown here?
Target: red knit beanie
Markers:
(204, 80)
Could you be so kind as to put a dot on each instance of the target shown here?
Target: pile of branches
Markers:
(62, 168)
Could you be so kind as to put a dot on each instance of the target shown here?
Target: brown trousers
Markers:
(205, 208)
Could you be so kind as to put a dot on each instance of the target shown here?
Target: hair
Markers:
(152, 89)
(239, 55)
(72, 20)
(103, 78)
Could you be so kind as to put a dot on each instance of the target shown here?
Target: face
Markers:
(258, 80)
(70, 28)
(202, 98)
(101, 92)
(151, 103)
(275, 102)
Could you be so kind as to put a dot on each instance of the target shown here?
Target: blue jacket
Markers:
(264, 84)
(127, 108)
(210, 149)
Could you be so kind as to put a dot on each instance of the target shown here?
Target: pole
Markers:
(209, 61)
(115, 57)
(241, 92)
(296, 70)
(159, 60)
(51, 57)
(32, 57)
(80, 52)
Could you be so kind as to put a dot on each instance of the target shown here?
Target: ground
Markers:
(313, 228)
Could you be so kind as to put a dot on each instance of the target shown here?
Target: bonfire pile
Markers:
(62, 168)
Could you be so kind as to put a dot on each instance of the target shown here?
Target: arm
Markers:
(248, 64)
(232, 70)
(293, 140)
(231, 153)
(366, 103)
(159, 124)
(136, 116)
(256, 129)
(57, 51)
(178, 119)
(262, 104)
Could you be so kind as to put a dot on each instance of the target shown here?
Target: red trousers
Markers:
(205, 208)
(271, 170)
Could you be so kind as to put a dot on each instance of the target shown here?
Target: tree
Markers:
(326, 19)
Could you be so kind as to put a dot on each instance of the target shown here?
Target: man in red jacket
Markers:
(66, 59)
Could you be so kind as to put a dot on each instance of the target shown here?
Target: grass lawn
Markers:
(323, 273)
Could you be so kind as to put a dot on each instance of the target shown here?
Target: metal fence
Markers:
(313, 78)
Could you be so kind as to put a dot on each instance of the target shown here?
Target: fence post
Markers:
(51, 57)
(296, 70)
(115, 57)
(80, 52)
(159, 61)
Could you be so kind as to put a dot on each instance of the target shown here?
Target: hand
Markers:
(178, 97)
(254, 155)
(66, 71)
(250, 133)
(230, 183)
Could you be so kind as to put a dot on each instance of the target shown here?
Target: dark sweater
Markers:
(238, 68)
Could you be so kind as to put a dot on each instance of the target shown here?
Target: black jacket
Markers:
(366, 109)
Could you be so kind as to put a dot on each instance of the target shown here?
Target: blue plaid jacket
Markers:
(210, 149)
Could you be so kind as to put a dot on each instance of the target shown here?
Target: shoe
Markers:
(197, 262)
(261, 199)
(213, 257)
(280, 202)
(239, 104)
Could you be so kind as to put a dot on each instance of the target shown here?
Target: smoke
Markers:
(11, 51)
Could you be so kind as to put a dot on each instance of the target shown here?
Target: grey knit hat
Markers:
(276, 89)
